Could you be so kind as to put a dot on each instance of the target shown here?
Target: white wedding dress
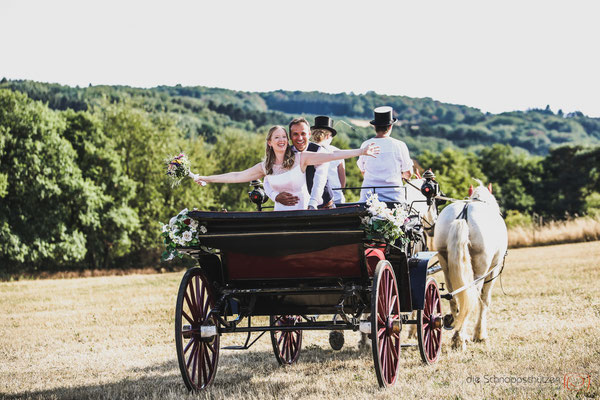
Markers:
(292, 181)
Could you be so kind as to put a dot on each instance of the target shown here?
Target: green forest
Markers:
(82, 175)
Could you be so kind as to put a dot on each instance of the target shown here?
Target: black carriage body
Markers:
(298, 262)
(291, 265)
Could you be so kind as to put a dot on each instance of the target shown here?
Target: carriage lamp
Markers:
(257, 194)
(430, 187)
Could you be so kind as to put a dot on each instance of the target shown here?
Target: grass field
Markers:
(112, 337)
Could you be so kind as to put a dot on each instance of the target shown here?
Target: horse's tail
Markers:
(459, 268)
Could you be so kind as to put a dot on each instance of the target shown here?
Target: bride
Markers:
(284, 169)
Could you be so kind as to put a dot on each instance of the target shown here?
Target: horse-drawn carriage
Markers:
(294, 266)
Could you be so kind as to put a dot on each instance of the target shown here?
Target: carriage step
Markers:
(403, 345)
(235, 348)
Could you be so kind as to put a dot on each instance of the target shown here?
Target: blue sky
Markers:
(496, 56)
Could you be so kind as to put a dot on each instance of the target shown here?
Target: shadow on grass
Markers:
(238, 372)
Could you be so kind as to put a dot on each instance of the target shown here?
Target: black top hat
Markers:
(383, 116)
(323, 122)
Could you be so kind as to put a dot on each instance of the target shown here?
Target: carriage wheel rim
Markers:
(386, 342)
(198, 356)
(430, 333)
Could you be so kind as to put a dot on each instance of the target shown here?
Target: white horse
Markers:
(471, 239)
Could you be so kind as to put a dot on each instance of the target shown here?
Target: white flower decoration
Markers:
(203, 229)
(187, 236)
(193, 223)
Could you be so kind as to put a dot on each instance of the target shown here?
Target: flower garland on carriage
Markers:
(384, 223)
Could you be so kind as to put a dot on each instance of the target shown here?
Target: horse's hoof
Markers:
(448, 322)
(336, 340)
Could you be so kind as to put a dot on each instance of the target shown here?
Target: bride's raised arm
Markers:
(247, 175)
(312, 158)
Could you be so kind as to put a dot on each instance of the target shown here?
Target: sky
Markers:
(493, 55)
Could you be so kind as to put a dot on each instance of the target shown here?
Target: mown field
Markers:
(112, 337)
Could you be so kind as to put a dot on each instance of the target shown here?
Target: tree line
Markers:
(82, 176)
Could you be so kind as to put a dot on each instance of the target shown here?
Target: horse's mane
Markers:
(483, 194)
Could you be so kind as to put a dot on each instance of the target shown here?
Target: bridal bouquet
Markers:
(181, 231)
(384, 222)
(178, 167)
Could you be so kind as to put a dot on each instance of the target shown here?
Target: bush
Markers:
(515, 218)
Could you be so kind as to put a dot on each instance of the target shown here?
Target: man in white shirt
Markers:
(393, 163)
(316, 176)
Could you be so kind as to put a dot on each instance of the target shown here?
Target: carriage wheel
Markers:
(197, 356)
(429, 324)
(286, 344)
(385, 324)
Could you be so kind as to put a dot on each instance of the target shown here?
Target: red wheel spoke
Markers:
(381, 348)
(381, 304)
(190, 306)
(191, 321)
(202, 365)
(187, 346)
(189, 360)
(200, 298)
(381, 332)
(391, 307)
(192, 294)
(287, 347)
(210, 347)
(206, 305)
(436, 303)
(394, 351)
(209, 362)
(193, 360)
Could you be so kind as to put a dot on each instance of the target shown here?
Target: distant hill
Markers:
(425, 124)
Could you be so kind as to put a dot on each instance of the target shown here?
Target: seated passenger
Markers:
(323, 133)
(321, 195)
(284, 170)
(391, 166)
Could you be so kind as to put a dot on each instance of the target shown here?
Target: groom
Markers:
(321, 195)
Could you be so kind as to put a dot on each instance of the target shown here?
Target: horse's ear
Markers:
(490, 187)
(470, 190)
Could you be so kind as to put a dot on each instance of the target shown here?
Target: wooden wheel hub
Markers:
(393, 326)
(436, 321)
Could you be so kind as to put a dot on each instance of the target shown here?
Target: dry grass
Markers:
(582, 229)
(112, 337)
